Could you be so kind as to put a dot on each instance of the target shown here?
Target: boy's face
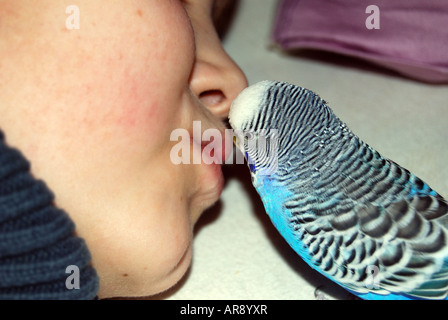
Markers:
(93, 109)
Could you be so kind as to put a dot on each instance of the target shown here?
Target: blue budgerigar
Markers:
(360, 219)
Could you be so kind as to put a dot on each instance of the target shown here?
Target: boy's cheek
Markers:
(112, 79)
(111, 108)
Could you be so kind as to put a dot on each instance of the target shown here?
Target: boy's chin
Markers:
(156, 289)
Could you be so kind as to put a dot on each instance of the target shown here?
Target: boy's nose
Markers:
(217, 80)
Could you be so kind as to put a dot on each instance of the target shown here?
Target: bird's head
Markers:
(256, 139)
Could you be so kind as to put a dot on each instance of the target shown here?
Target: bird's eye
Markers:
(249, 135)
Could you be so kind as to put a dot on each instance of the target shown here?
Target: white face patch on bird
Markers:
(246, 106)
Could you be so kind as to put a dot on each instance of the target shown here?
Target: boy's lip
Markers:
(212, 160)
(216, 155)
(212, 182)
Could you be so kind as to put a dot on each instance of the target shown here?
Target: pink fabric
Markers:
(412, 39)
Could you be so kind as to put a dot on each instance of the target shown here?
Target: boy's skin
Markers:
(93, 109)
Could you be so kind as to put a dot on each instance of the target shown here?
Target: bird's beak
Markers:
(235, 140)
(237, 143)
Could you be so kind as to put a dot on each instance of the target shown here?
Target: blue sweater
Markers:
(40, 257)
